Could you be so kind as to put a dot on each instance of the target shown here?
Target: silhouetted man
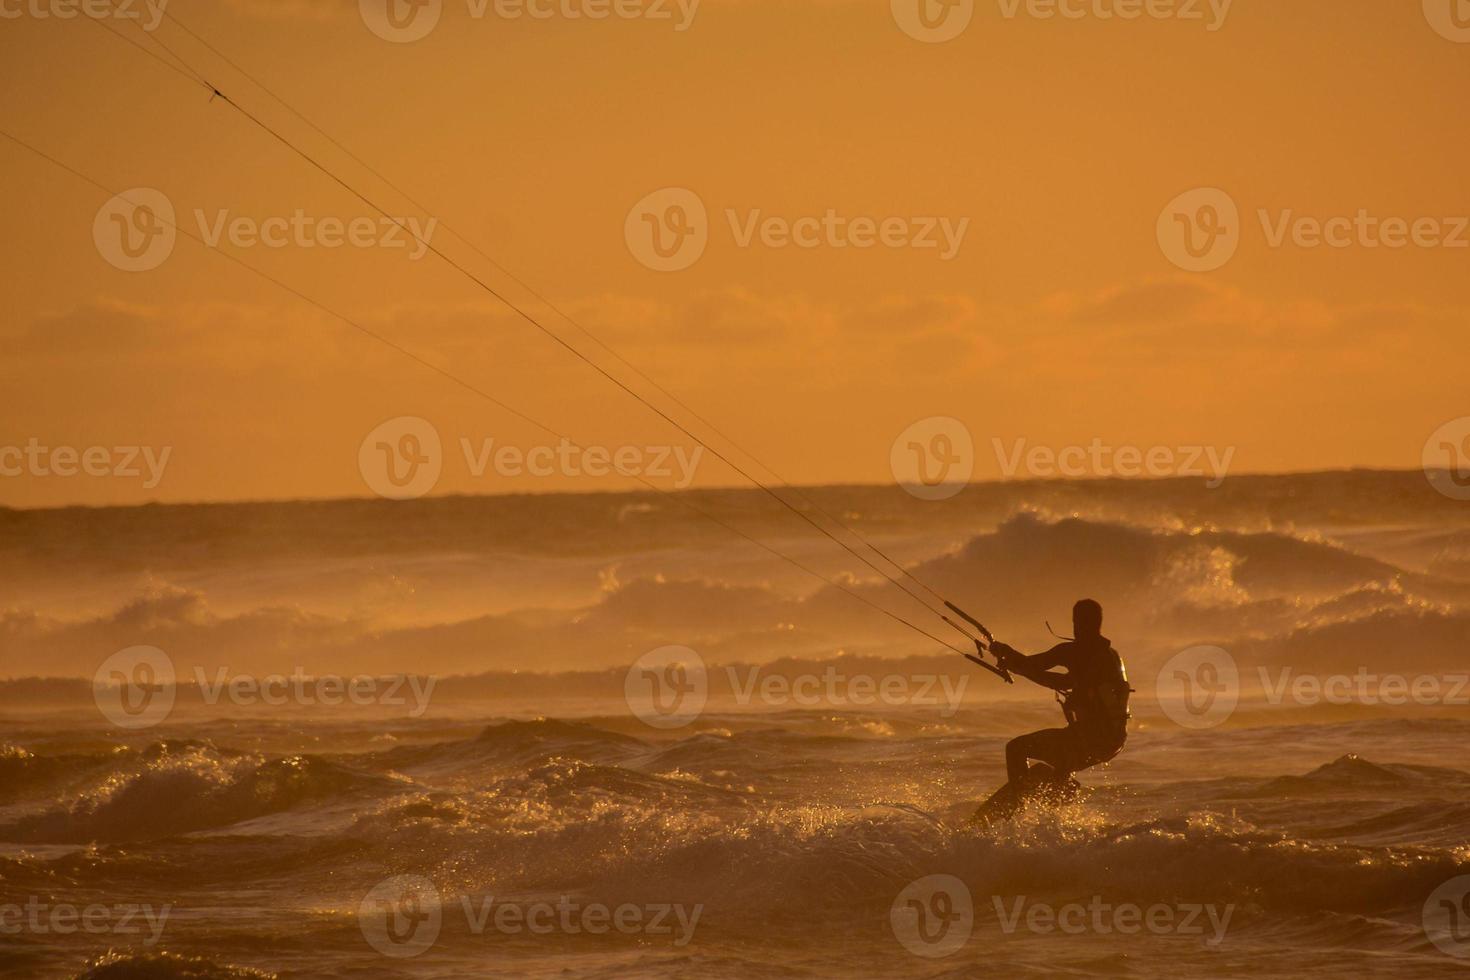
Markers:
(1093, 686)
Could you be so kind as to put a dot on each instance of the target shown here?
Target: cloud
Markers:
(713, 340)
(105, 329)
(715, 326)
(1182, 317)
(1144, 302)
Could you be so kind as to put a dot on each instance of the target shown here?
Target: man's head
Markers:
(1087, 619)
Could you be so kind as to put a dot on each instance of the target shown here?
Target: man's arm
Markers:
(1037, 668)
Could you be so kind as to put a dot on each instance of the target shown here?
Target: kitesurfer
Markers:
(1092, 684)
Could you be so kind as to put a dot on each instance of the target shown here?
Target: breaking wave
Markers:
(174, 788)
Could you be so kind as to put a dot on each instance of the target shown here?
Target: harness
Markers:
(1100, 711)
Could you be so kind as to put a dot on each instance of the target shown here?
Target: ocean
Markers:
(585, 736)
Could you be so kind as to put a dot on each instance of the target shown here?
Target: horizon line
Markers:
(742, 488)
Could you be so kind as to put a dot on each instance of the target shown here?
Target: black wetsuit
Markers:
(1095, 688)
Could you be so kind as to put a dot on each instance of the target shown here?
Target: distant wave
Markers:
(1029, 561)
(157, 536)
(173, 788)
(1163, 589)
(516, 744)
(1175, 579)
(1351, 772)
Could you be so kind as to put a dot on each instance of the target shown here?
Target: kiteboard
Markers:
(1041, 789)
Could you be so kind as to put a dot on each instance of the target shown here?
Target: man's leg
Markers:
(1050, 745)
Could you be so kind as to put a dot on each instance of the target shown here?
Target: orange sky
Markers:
(1060, 320)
